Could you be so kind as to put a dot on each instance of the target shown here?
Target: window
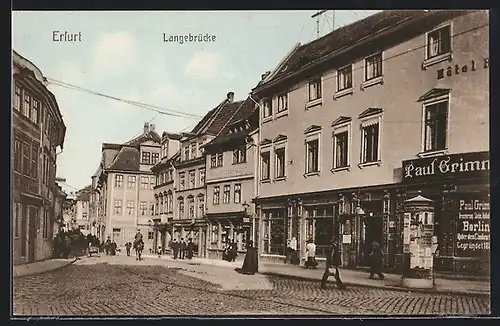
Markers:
(314, 90)
(202, 177)
(200, 148)
(17, 98)
(143, 207)
(18, 155)
(237, 193)
(370, 138)
(193, 150)
(312, 153)
(160, 206)
(154, 158)
(436, 122)
(84, 216)
(227, 194)
(182, 180)
(35, 111)
(119, 180)
(240, 155)
(151, 235)
(274, 232)
(118, 207)
(170, 203)
(201, 206)
(146, 157)
(130, 207)
(219, 159)
(186, 153)
(144, 182)
(27, 105)
(163, 150)
(373, 66)
(439, 42)
(340, 149)
(151, 182)
(344, 78)
(26, 159)
(280, 162)
(131, 179)
(45, 222)
(152, 208)
(282, 102)
(268, 108)
(17, 215)
(216, 160)
(216, 199)
(181, 207)
(191, 207)
(265, 158)
(192, 179)
(34, 161)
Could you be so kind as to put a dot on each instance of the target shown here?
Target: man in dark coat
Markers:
(333, 262)
(251, 262)
(128, 245)
(175, 248)
(182, 249)
(190, 248)
(233, 251)
(107, 245)
(377, 261)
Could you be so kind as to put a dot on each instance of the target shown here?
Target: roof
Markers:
(222, 117)
(203, 121)
(349, 35)
(170, 135)
(150, 135)
(126, 160)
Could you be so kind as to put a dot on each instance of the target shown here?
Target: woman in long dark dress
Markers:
(251, 262)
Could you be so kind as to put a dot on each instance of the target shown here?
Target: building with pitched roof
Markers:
(353, 123)
(38, 132)
(124, 184)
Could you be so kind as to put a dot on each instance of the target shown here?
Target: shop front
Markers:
(225, 228)
(458, 186)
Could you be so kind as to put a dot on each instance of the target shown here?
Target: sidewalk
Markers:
(41, 267)
(350, 277)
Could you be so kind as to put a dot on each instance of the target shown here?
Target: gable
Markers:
(433, 93)
(312, 128)
(280, 138)
(369, 112)
(265, 141)
(341, 120)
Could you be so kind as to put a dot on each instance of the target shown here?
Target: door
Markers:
(203, 243)
(372, 232)
(24, 230)
(32, 227)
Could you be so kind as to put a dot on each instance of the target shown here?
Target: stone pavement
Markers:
(351, 277)
(41, 267)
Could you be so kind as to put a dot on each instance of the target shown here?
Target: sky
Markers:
(123, 54)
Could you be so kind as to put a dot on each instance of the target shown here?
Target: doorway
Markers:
(24, 230)
(32, 227)
(372, 230)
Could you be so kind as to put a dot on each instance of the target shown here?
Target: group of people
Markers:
(182, 249)
(62, 245)
(230, 252)
(110, 247)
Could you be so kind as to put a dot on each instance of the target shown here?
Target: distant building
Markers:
(38, 130)
(82, 210)
(125, 185)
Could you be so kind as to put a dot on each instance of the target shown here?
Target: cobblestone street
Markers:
(122, 286)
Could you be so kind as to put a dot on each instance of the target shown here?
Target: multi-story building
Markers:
(82, 210)
(96, 222)
(368, 115)
(38, 130)
(230, 187)
(164, 189)
(59, 198)
(125, 185)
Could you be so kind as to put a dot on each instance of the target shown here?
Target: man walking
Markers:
(190, 248)
(182, 248)
(333, 262)
(175, 248)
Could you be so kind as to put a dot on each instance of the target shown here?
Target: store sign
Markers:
(473, 227)
(463, 68)
(475, 164)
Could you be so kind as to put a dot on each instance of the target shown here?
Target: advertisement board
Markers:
(473, 227)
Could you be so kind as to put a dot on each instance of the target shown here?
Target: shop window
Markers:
(320, 228)
(274, 233)
(215, 236)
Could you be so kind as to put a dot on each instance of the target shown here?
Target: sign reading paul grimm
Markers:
(471, 165)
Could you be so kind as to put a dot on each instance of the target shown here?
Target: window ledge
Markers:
(372, 82)
(437, 59)
(339, 169)
(265, 181)
(236, 163)
(432, 153)
(315, 102)
(310, 174)
(344, 92)
(367, 164)
(279, 179)
(267, 119)
(283, 113)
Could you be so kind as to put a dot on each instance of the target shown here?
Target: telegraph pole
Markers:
(317, 15)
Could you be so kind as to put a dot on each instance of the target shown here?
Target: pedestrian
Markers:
(67, 246)
(233, 251)
(113, 248)
(376, 261)
(175, 248)
(190, 248)
(128, 245)
(107, 245)
(251, 262)
(182, 248)
(311, 255)
(333, 262)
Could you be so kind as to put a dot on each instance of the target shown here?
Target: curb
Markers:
(388, 287)
(48, 270)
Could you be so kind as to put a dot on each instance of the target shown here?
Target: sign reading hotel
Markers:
(473, 227)
(470, 165)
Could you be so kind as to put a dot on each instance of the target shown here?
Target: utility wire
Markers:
(154, 108)
(391, 57)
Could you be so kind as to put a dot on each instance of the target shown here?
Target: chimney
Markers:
(264, 75)
(146, 127)
(151, 127)
(230, 97)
